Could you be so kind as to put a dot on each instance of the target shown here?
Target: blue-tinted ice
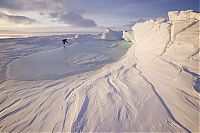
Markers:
(76, 58)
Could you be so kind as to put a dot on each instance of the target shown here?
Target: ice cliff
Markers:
(167, 54)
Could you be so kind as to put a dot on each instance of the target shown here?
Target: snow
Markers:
(153, 87)
(167, 53)
(86, 37)
(107, 35)
(183, 15)
(112, 35)
(128, 36)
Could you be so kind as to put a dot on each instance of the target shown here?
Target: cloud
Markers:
(104, 12)
(60, 11)
(11, 4)
(24, 5)
(16, 19)
(74, 19)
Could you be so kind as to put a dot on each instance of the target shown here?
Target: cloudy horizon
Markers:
(69, 15)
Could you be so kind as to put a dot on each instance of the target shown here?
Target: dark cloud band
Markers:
(74, 19)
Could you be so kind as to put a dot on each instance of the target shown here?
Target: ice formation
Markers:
(112, 35)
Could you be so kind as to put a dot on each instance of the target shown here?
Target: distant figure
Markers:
(64, 42)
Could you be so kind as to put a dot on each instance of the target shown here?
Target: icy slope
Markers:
(151, 88)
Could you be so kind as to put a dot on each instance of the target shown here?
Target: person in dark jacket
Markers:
(64, 42)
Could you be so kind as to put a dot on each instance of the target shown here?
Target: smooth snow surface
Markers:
(154, 87)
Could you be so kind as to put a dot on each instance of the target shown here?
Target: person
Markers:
(64, 42)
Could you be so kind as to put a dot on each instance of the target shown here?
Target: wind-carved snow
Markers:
(85, 60)
(152, 88)
(168, 55)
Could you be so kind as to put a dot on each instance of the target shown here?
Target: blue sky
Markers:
(84, 14)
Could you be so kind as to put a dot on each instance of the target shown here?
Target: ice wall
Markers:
(167, 54)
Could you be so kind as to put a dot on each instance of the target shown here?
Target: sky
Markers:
(80, 15)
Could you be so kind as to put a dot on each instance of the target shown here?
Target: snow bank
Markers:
(176, 41)
(169, 51)
(112, 35)
(151, 38)
(167, 55)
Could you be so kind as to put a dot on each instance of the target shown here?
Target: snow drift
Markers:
(170, 51)
(154, 87)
